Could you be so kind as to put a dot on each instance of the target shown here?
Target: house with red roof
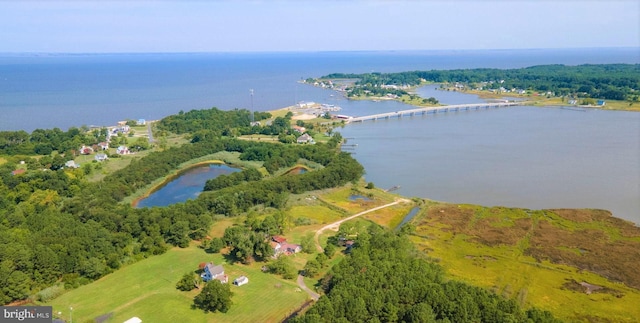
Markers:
(281, 246)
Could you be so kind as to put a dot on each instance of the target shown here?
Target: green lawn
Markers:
(147, 290)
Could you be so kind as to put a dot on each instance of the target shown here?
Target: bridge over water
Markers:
(434, 110)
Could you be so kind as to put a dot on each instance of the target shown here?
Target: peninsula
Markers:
(605, 86)
(72, 238)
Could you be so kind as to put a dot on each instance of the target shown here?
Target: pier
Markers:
(434, 110)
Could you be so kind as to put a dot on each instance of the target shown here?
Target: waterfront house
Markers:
(601, 103)
(141, 122)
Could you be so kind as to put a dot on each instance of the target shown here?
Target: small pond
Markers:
(297, 171)
(187, 185)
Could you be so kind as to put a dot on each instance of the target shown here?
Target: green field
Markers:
(147, 290)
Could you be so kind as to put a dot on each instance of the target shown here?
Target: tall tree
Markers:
(215, 296)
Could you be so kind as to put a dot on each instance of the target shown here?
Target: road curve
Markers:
(336, 225)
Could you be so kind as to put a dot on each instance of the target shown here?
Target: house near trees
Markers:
(281, 246)
(71, 164)
(211, 272)
(304, 139)
(84, 150)
(100, 157)
(122, 150)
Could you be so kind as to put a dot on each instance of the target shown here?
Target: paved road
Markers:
(151, 140)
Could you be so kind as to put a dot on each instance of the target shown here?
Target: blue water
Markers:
(408, 217)
(186, 186)
(55, 90)
(528, 157)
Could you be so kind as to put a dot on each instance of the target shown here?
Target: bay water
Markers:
(522, 156)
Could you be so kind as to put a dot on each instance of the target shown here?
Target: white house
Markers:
(71, 164)
(305, 139)
(100, 157)
(241, 281)
(212, 272)
(122, 150)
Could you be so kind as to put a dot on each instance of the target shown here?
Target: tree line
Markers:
(58, 228)
(601, 81)
(384, 279)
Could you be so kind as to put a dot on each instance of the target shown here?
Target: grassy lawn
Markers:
(147, 290)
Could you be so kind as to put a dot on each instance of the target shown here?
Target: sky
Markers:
(304, 25)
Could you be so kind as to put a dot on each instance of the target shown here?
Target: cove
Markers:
(185, 186)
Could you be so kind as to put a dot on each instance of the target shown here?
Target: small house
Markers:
(241, 281)
(100, 157)
(279, 239)
(122, 150)
(103, 145)
(84, 150)
(281, 246)
(601, 103)
(290, 248)
(71, 164)
(305, 138)
(18, 172)
(141, 122)
(299, 129)
(212, 272)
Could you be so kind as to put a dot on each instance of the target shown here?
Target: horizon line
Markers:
(305, 51)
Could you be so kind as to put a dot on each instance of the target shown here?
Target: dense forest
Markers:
(384, 280)
(606, 81)
(55, 226)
